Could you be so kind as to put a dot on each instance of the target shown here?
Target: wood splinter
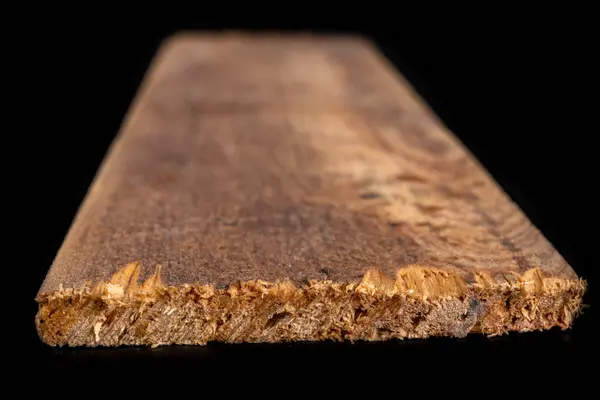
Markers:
(294, 188)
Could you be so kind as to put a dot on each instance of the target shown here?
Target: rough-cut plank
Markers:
(294, 188)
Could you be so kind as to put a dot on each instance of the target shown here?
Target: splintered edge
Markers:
(419, 302)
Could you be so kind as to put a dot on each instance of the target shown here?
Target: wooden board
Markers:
(269, 188)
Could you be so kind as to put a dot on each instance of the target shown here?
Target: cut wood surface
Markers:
(280, 188)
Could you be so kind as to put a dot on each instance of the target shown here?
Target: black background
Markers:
(515, 89)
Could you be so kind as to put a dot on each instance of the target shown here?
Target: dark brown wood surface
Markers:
(290, 157)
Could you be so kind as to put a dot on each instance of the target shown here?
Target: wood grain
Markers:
(292, 158)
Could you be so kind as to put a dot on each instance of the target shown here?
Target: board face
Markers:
(307, 158)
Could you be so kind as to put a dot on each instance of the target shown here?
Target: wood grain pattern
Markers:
(291, 158)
